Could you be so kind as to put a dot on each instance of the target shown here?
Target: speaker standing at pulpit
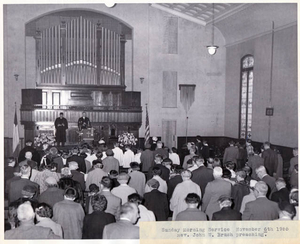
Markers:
(83, 122)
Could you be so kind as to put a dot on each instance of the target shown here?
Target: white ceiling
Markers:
(236, 21)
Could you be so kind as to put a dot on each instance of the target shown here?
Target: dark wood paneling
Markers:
(32, 96)
(8, 143)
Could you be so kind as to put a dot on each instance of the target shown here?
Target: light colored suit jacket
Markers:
(122, 229)
(113, 204)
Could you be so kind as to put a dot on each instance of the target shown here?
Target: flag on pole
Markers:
(147, 127)
(16, 138)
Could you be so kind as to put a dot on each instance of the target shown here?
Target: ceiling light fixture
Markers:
(212, 49)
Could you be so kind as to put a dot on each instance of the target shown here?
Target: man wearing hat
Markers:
(156, 201)
(147, 158)
(123, 190)
(226, 213)
(261, 208)
(177, 202)
(53, 194)
(110, 162)
(61, 125)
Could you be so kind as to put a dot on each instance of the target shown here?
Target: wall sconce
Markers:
(16, 76)
(142, 80)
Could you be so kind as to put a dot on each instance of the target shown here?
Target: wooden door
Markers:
(169, 133)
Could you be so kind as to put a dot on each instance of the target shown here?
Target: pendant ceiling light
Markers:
(212, 49)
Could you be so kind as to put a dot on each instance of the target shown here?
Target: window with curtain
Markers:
(246, 96)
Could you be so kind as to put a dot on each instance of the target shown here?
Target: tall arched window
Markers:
(246, 95)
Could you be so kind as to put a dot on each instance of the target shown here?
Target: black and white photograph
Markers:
(121, 113)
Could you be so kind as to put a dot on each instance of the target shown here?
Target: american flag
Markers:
(147, 127)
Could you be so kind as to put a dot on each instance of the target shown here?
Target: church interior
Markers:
(114, 62)
(172, 72)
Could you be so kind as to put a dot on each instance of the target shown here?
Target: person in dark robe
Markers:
(83, 122)
(61, 125)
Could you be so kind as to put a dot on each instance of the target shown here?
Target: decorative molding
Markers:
(261, 34)
(181, 15)
(230, 12)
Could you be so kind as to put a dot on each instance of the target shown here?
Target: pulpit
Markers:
(86, 134)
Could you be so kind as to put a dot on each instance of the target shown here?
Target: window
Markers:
(246, 95)
(56, 99)
(45, 99)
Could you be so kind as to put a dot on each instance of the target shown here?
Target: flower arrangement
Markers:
(127, 139)
(42, 138)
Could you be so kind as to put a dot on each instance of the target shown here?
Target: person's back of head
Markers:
(240, 175)
(123, 178)
(267, 145)
(178, 169)
(230, 165)
(106, 182)
(280, 183)
(70, 193)
(261, 172)
(226, 174)
(190, 163)
(159, 144)
(98, 202)
(174, 150)
(192, 200)
(73, 165)
(93, 188)
(97, 163)
(167, 162)
(217, 172)
(113, 174)
(294, 196)
(66, 172)
(295, 151)
(129, 211)
(25, 212)
(225, 201)
(25, 170)
(231, 143)
(216, 162)
(134, 166)
(153, 184)
(156, 171)
(29, 191)
(43, 210)
(158, 158)
(260, 189)
(186, 175)
(109, 153)
(135, 198)
(198, 160)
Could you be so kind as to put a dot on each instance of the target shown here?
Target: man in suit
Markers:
(231, 153)
(77, 175)
(113, 202)
(160, 150)
(78, 159)
(16, 186)
(270, 159)
(239, 190)
(165, 172)
(27, 229)
(93, 224)
(294, 160)
(226, 212)
(29, 148)
(174, 181)
(124, 228)
(147, 158)
(213, 191)
(156, 201)
(177, 202)
(282, 193)
(192, 213)
(202, 175)
(137, 178)
(270, 181)
(69, 215)
(61, 125)
(261, 208)
(84, 122)
(255, 161)
(110, 162)
(123, 190)
(95, 176)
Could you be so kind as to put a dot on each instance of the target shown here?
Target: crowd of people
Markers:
(101, 193)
